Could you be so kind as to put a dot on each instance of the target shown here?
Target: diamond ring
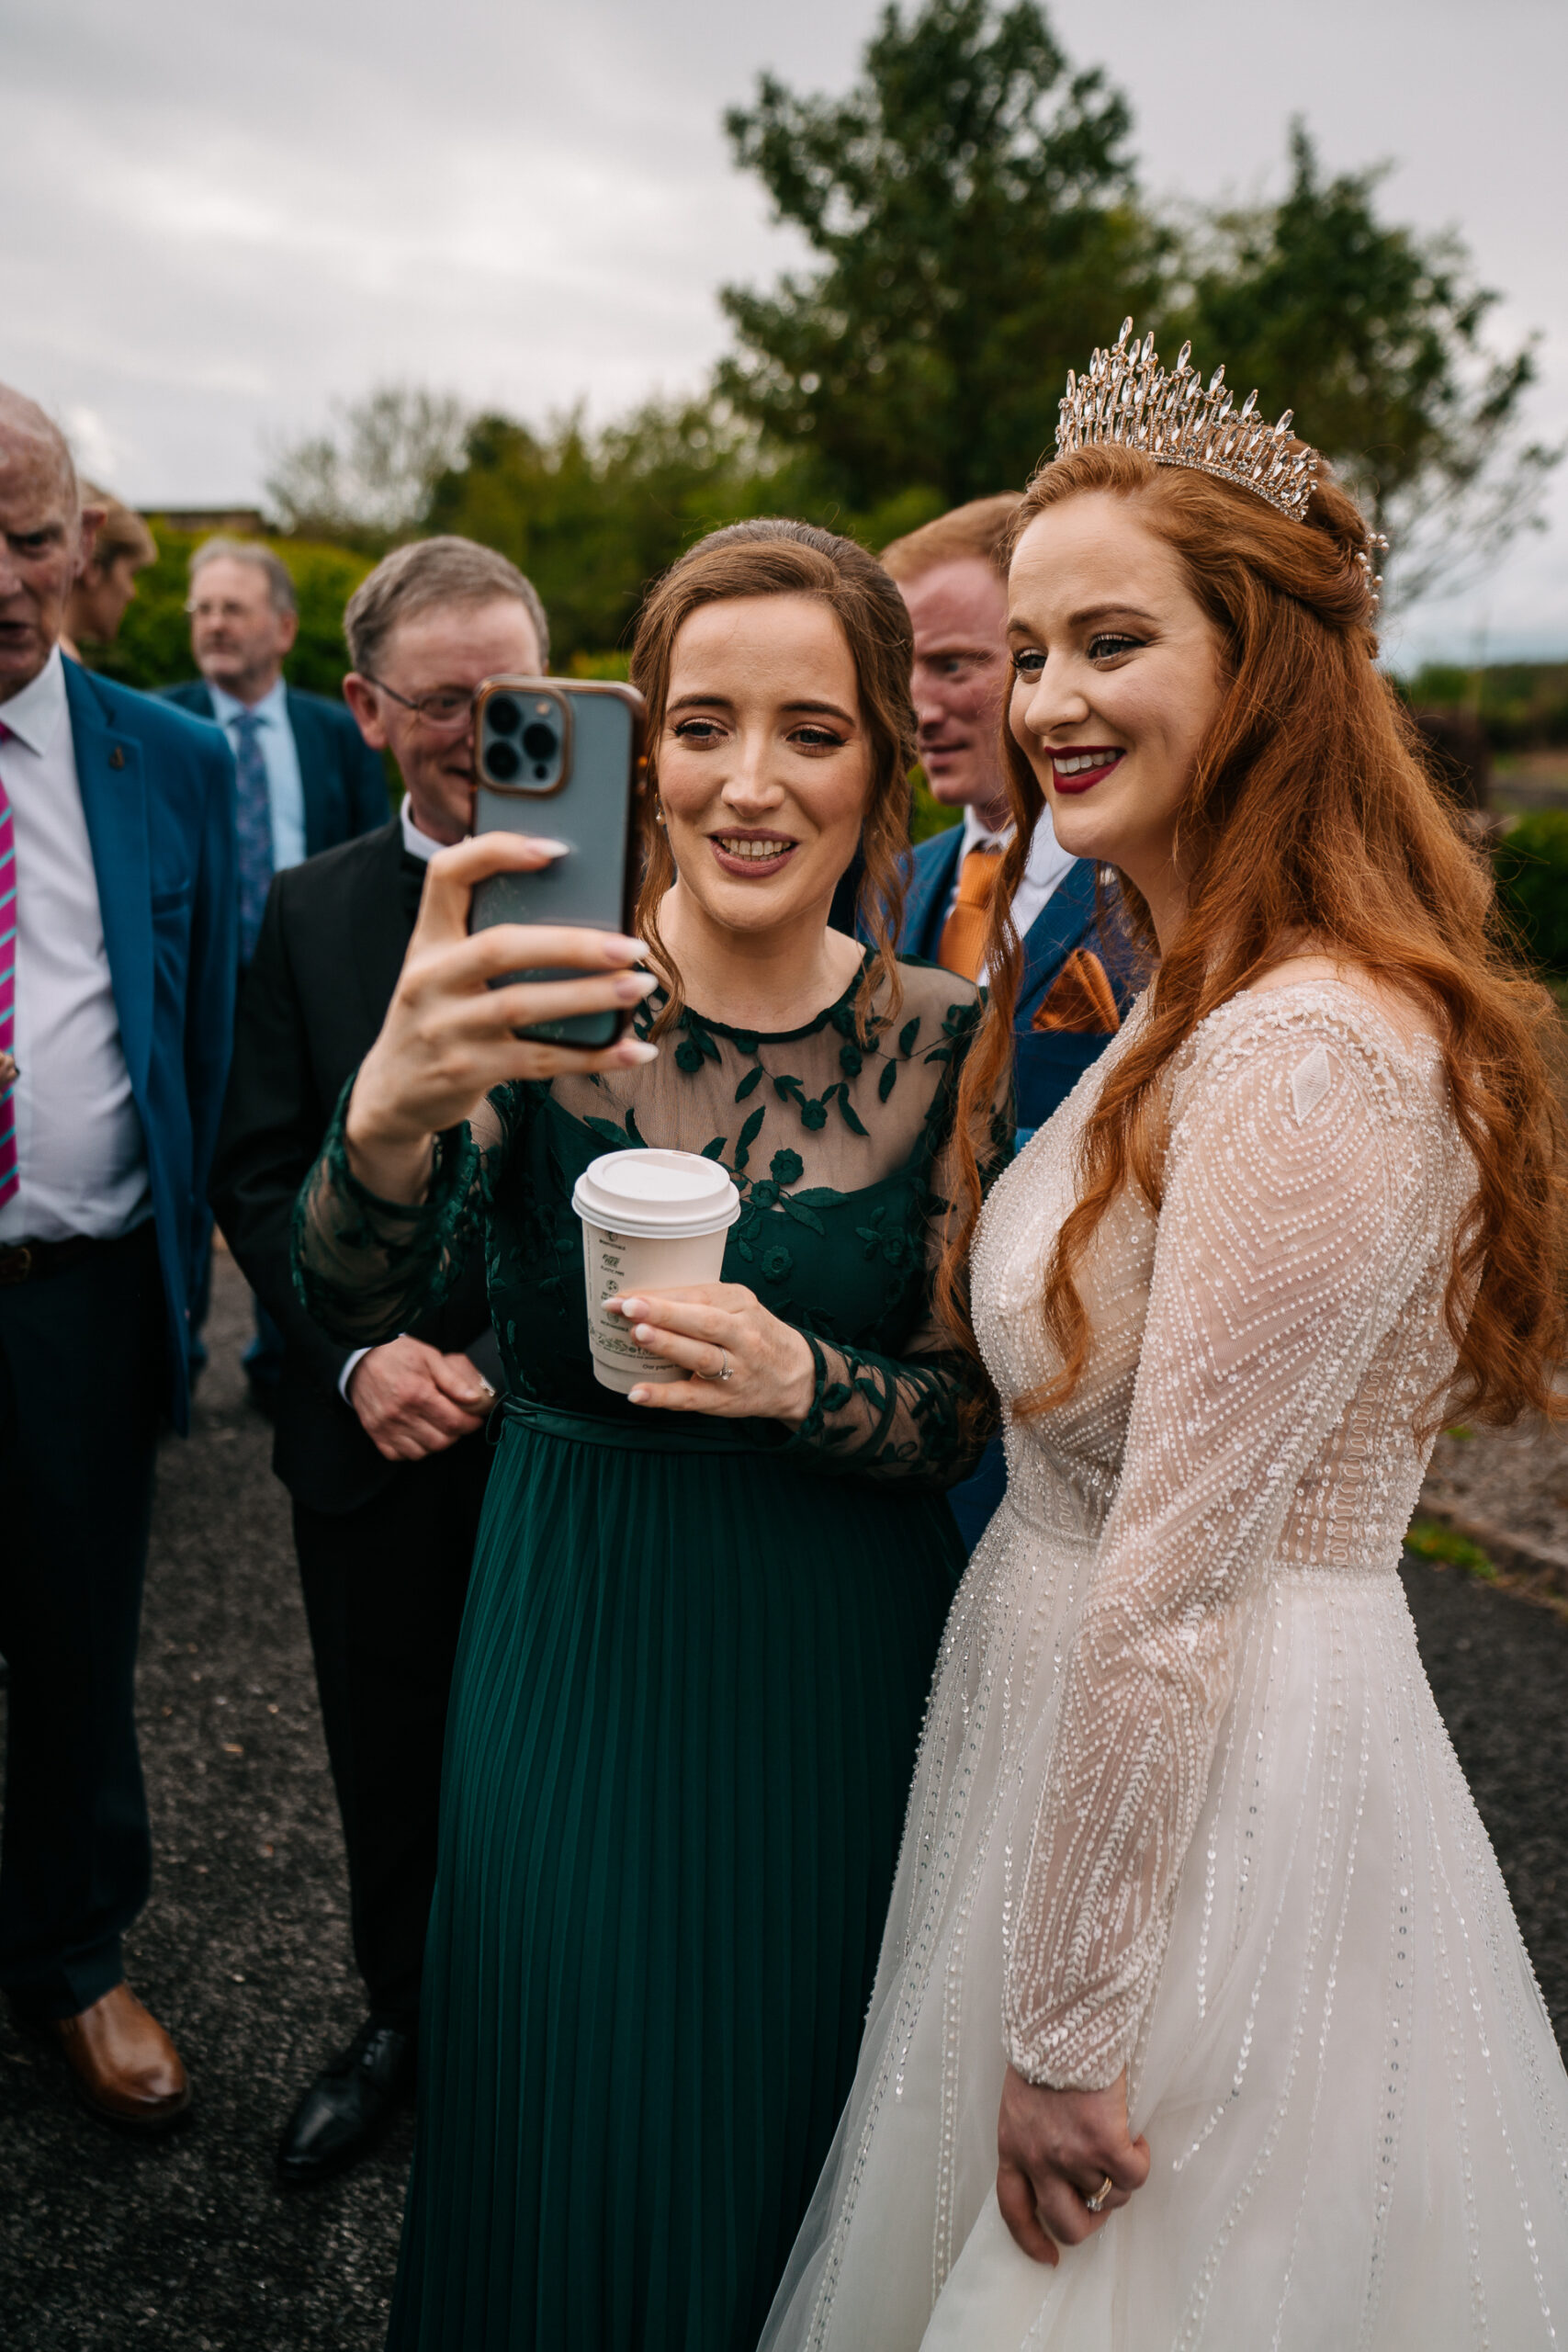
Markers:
(1097, 2202)
(726, 1372)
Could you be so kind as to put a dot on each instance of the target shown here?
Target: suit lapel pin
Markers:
(117, 757)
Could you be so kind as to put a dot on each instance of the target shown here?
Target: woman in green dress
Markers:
(703, 1618)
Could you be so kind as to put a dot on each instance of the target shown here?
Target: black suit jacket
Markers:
(327, 960)
(344, 783)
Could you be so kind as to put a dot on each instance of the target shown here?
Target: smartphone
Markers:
(563, 757)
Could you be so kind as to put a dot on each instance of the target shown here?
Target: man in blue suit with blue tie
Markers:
(952, 576)
(305, 778)
(316, 783)
(117, 958)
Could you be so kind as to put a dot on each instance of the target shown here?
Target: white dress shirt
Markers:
(280, 757)
(80, 1155)
(418, 845)
(1047, 864)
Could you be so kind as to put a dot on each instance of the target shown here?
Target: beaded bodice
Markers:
(1261, 1350)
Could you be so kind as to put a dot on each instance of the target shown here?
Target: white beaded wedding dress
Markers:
(1184, 1804)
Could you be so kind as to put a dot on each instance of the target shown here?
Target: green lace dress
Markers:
(689, 1688)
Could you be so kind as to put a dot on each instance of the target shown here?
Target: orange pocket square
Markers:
(1080, 999)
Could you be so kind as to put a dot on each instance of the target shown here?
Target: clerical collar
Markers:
(416, 843)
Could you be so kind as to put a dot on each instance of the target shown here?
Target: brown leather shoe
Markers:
(126, 2068)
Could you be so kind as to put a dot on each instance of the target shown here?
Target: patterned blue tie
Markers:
(254, 825)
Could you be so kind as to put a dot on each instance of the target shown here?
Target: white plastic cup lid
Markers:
(656, 1195)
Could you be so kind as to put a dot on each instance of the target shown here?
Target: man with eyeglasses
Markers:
(305, 778)
(382, 1450)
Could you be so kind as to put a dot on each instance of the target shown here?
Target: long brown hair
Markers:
(1311, 820)
(784, 559)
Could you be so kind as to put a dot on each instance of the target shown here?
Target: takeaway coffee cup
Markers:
(651, 1221)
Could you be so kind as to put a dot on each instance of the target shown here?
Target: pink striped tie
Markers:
(9, 1180)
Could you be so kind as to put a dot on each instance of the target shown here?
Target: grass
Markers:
(928, 815)
(1446, 1548)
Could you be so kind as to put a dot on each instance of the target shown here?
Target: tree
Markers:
(1373, 335)
(593, 518)
(371, 481)
(974, 205)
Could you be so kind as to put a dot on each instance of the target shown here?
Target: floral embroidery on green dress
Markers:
(839, 1143)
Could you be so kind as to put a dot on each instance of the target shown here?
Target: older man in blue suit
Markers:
(116, 986)
(305, 778)
(952, 576)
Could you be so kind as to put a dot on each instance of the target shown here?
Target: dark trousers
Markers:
(384, 1590)
(263, 1360)
(83, 1374)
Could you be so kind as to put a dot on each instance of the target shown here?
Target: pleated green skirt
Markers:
(682, 1728)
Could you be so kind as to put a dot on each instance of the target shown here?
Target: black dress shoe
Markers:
(349, 2104)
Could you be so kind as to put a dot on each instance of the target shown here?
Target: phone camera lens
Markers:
(505, 715)
(540, 741)
(503, 762)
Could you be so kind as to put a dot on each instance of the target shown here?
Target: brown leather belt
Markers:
(29, 1261)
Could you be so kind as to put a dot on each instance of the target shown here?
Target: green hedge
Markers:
(153, 645)
(928, 815)
(1521, 706)
(1532, 880)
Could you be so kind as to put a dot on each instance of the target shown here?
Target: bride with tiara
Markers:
(1202, 2017)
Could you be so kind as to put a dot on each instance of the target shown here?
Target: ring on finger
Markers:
(726, 1369)
(1096, 2203)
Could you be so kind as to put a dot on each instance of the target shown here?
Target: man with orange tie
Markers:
(952, 576)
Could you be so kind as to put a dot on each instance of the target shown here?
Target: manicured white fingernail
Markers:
(635, 1050)
(637, 1395)
(635, 987)
(550, 849)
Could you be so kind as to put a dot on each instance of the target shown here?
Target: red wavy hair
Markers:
(1311, 818)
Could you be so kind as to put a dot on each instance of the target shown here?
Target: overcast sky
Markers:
(219, 219)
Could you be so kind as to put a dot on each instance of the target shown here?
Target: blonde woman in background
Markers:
(122, 547)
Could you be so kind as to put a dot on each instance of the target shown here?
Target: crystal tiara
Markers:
(1127, 396)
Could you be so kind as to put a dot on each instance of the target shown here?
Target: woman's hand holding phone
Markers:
(449, 1035)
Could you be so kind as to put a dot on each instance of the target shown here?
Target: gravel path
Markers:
(1515, 1479)
(243, 1952)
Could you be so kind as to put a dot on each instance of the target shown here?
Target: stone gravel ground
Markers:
(1515, 1479)
(108, 2244)
(242, 1953)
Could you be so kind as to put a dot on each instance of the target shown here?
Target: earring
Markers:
(658, 814)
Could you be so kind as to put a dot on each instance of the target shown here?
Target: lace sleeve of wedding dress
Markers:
(1294, 1223)
(364, 1268)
